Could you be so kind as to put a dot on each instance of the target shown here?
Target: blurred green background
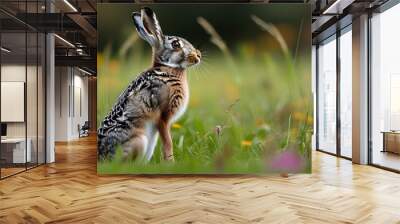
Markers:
(250, 98)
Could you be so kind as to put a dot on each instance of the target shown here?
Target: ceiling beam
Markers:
(79, 61)
(85, 25)
(49, 22)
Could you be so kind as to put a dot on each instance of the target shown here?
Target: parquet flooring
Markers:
(69, 191)
(10, 171)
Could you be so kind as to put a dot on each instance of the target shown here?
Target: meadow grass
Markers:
(231, 125)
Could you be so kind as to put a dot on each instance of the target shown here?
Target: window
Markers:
(385, 89)
(346, 93)
(327, 96)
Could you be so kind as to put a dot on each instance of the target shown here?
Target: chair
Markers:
(84, 130)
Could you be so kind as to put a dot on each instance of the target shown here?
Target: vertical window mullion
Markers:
(369, 75)
(26, 86)
(317, 97)
(0, 92)
(37, 90)
(338, 76)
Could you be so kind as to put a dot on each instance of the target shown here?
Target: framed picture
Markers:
(204, 88)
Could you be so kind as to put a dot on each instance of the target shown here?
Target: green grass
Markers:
(262, 101)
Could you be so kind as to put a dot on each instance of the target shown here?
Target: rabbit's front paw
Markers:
(170, 158)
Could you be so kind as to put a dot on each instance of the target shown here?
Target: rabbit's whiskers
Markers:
(200, 71)
(204, 71)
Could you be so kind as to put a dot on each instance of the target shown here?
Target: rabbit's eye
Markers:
(176, 44)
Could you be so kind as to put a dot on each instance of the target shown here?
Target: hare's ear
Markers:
(148, 26)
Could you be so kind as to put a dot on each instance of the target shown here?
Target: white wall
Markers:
(71, 94)
(13, 101)
(61, 103)
(33, 126)
(16, 73)
(12, 73)
(80, 89)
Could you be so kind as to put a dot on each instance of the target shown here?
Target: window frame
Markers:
(333, 37)
(381, 9)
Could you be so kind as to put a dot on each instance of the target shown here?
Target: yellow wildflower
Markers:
(299, 116)
(246, 143)
(176, 125)
(310, 120)
(259, 121)
(100, 59)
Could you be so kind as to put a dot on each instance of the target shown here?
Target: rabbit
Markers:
(154, 100)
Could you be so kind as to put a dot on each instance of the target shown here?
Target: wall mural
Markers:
(204, 88)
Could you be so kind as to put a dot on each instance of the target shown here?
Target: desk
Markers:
(391, 141)
(13, 150)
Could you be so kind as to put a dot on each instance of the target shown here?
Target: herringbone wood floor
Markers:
(69, 191)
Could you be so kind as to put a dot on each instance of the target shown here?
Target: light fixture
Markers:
(70, 5)
(84, 71)
(328, 10)
(5, 50)
(337, 7)
(64, 40)
(80, 51)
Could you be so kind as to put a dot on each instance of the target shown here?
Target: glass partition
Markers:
(13, 95)
(41, 96)
(31, 99)
(327, 96)
(22, 107)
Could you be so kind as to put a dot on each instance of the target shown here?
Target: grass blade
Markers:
(271, 29)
